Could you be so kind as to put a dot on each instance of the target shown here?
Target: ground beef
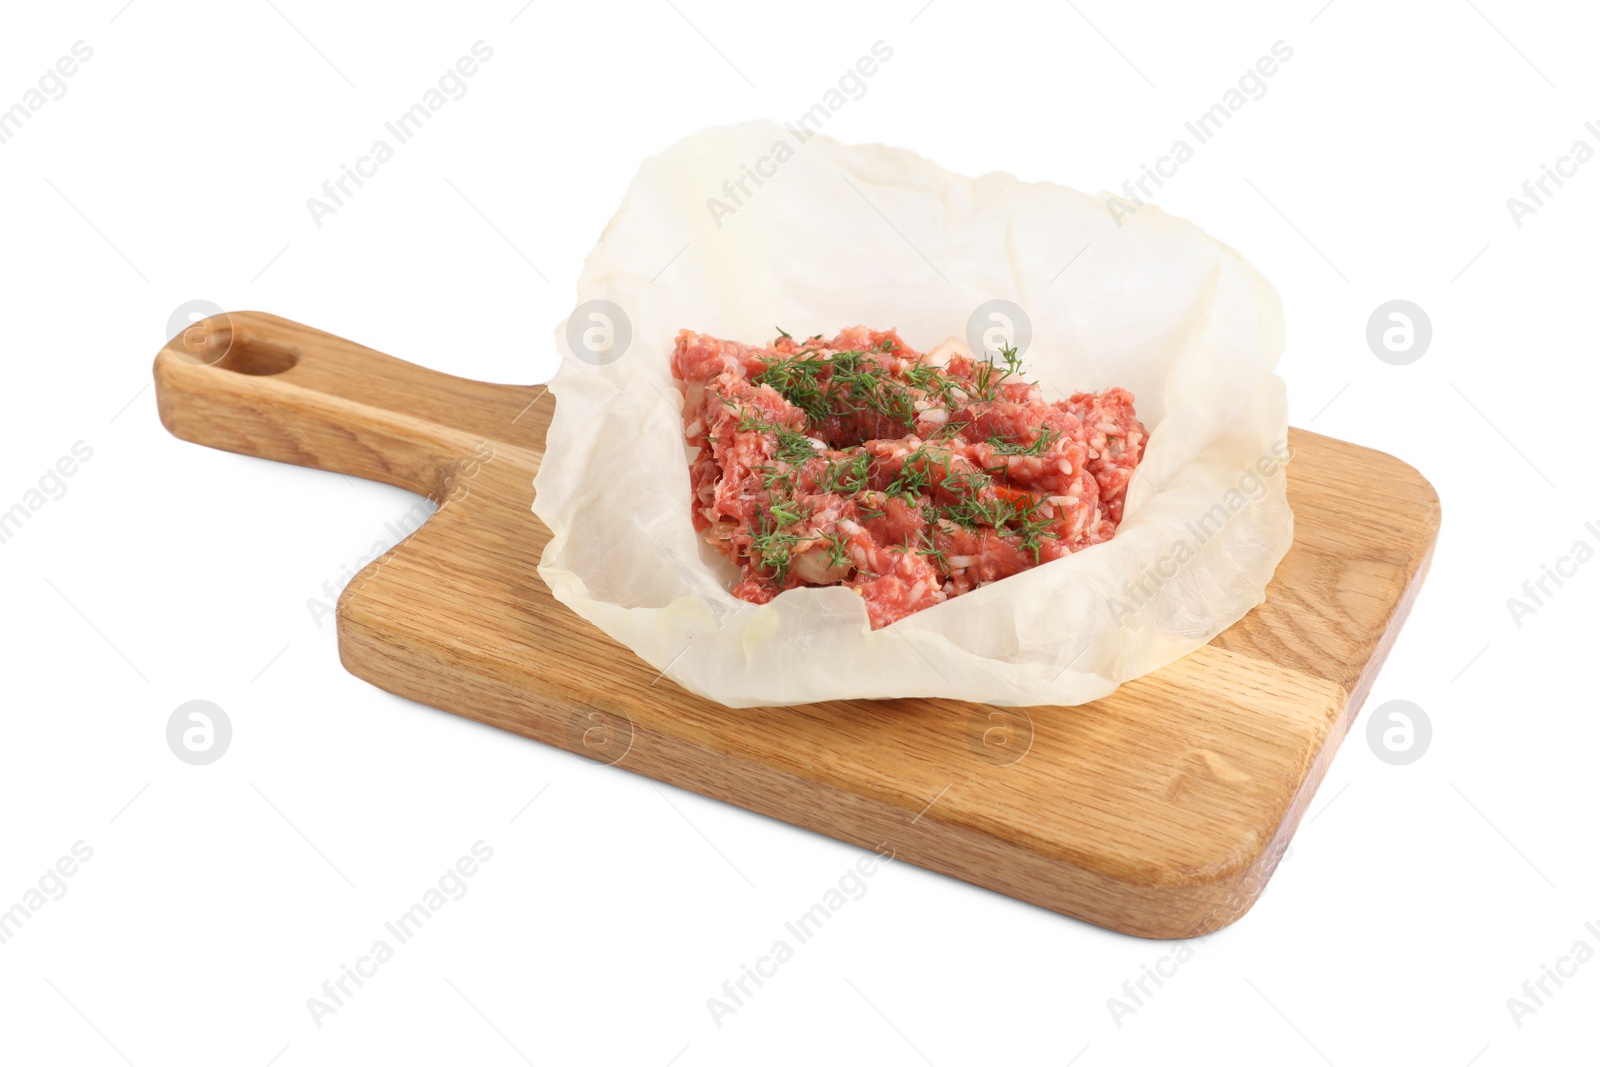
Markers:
(909, 478)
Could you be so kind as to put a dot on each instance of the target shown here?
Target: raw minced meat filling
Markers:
(908, 477)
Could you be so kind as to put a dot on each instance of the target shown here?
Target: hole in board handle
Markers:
(213, 342)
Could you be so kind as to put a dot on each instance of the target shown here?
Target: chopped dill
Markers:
(793, 447)
(773, 547)
(848, 477)
(788, 512)
(1039, 447)
(837, 556)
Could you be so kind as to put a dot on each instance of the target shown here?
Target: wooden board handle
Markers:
(256, 384)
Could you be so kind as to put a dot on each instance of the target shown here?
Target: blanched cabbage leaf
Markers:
(818, 236)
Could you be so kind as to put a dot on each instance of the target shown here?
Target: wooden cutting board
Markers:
(1160, 811)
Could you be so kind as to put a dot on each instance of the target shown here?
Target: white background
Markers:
(1416, 899)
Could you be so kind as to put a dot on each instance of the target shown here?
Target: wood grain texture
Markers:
(1160, 811)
